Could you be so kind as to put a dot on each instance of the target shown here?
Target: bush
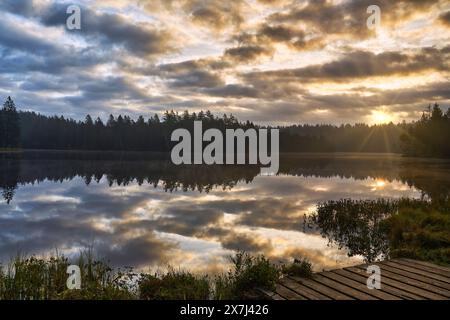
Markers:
(420, 233)
(174, 285)
(247, 273)
(299, 268)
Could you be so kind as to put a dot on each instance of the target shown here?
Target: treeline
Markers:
(124, 133)
(29, 130)
(430, 136)
(359, 137)
(118, 133)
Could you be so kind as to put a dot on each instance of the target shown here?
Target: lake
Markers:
(142, 211)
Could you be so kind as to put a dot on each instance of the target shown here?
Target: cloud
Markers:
(19, 39)
(445, 18)
(22, 7)
(349, 18)
(261, 60)
(233, 90)
(363, 64)
(212, 14)
(247, 243)
(197, 78)
(247, 53)
(111, 29)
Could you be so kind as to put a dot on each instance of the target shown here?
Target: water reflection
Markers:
(145, 213)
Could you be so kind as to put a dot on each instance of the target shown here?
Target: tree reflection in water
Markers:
(354, 225)
(431, 177)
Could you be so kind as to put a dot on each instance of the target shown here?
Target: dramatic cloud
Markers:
(278, 61)
(363, 64)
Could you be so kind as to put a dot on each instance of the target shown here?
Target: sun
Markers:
(379, 184)
(381, 117)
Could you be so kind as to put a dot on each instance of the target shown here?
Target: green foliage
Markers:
(420, 233)
(375, 229)
(299, 268)
(174, 285)
(33, 278)
(429, 137)
(45, 279)
(247, 273)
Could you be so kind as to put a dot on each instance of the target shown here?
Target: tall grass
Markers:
(32, 278)
(420, 233)
(248, 272)
(174, 285)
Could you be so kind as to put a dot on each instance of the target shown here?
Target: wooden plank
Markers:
(270, 294)
(386, 272)
(384, 287)
(288, 293)
(400, 285)
(301, 289)
(400, 279)
(428, 264)
(429, 281)
(362, 286)
(344, 288)
(276, 296)
(434, 270)
(331, 293)
(418, 271)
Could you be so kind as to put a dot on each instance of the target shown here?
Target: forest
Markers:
(429, 136)
(28, 130)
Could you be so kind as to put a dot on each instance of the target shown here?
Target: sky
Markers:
(267, 61)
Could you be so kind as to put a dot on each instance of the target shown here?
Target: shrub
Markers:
(247, 273)
(299, 268)
(174, 285)
(420, 233)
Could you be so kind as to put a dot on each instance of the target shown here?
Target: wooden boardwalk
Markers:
(401, 279)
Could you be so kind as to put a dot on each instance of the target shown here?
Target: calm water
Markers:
(145, 213)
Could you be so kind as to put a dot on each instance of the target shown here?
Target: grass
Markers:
(174, 285)
(32, 278)
(299, 268)
(377, 229)
(421, 233)
(248, 272)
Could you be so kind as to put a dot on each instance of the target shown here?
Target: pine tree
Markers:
(10, 128)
